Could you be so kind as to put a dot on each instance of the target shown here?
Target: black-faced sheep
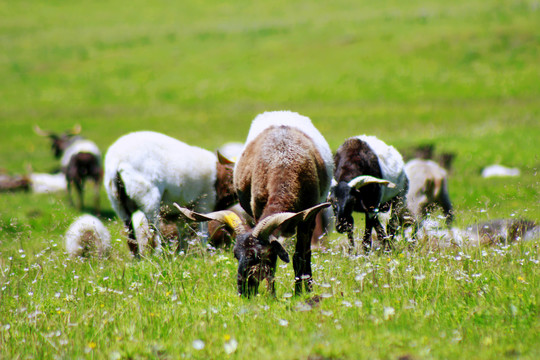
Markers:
(428, 188)
(87, 236)
(149, 171)
(80, 161)
(370, 178)
(282, 179)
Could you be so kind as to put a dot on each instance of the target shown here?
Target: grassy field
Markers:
(464, 76)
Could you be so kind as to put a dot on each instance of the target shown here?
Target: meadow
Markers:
(463, 75)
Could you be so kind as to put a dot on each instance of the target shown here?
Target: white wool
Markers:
(79, 146)
(142, 229)
(47, 183)
(499, 171)
(231, 150)
(300, 122)
(81, 225)
(391, 163)
(159, 170)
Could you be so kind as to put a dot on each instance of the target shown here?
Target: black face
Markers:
(256, 262)
(60, 143)
(343, 199)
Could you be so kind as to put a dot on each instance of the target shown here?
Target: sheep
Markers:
(9, 183)
(428, 187)
(80, 160)
(148, 171)
(282, 179)
(87, 236)
(369, 178)
(43, 183)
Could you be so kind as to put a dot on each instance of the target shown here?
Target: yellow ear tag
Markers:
(233, 220)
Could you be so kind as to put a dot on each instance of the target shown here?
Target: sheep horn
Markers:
(364, 180)
(76, 129)
(312, 211)
(223, 160)
(266, 227)
(226, 217)
(41, 132)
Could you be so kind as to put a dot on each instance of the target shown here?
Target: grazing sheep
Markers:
(80, 160)
(499, 171)
(10, 183)
(369, 178)
(148, 171)
(499, 231)
(87, 236)
(281, 178)
(428, 187)
(493, 232)
(42, 183)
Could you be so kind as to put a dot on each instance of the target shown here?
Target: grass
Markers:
(463, 76)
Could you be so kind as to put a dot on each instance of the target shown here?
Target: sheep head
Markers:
(346, 197)
(256, 249)
(60, 142)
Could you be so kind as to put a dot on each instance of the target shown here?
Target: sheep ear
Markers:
(364, 180)
(280, 251)
(226, 217)
(266, 227)
(223, 160)
(310, 213)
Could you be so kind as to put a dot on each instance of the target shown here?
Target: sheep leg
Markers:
(366, 241)
(446, 204)
(132, 241)
(70, 198)
(302, 258)
(97, 187)
(79, 187)
(350, 235)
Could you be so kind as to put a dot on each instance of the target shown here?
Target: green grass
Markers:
(463, 75)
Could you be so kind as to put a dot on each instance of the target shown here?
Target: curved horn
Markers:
(76, 129)
(364, 180)
(226, 217)
(223, 160)
(312, 211)
(266, 227)
(41, 132)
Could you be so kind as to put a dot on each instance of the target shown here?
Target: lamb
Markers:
(80, 160)
(428, 187)
(369, 178)
(149, 171)
(282, 179)
(87, 236)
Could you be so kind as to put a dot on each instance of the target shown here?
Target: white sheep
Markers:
(87, 236)
(428, 187)
(149, 171)
(369, 178)
(80, 161)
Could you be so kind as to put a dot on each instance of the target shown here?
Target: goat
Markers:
(80, 160)
(369, 178)
(282, 179)
(148, 171)
(87, 236)
(428, 187)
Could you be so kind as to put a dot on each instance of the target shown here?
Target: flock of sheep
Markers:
(285, 181)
